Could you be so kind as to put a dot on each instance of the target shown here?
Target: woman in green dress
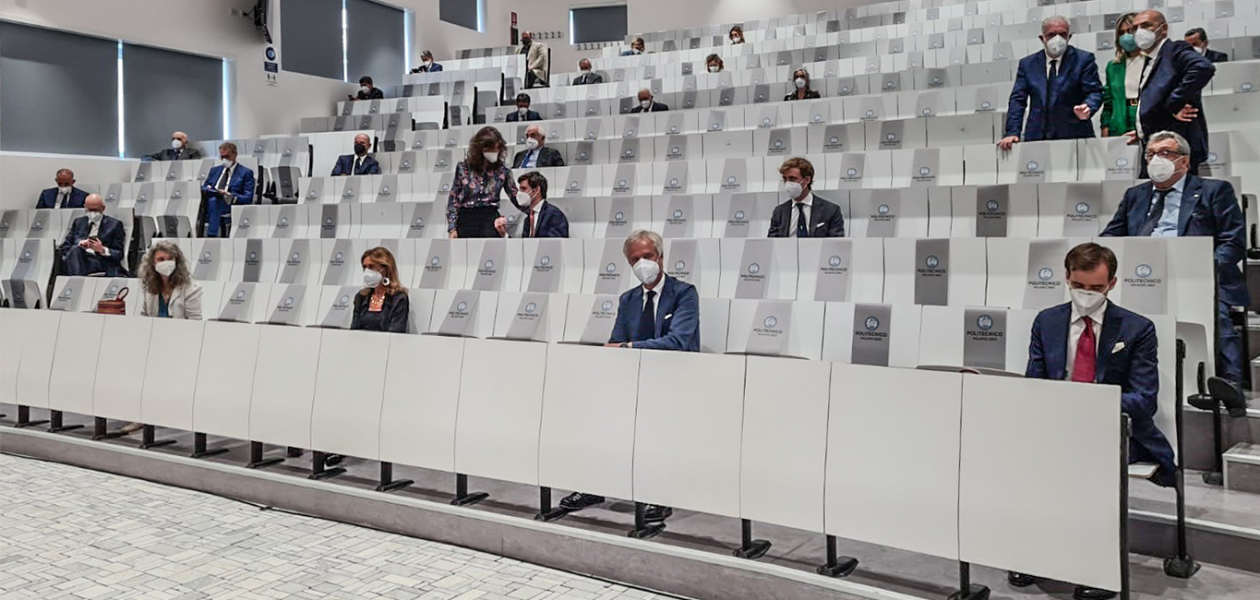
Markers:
(1124, 76)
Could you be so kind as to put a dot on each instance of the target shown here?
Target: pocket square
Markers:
(669, 316)
(1118, 347)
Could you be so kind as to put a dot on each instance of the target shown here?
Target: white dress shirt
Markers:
(1133, 76)
(1052, 63)
(656, 302)
(1170, 218)
(531, 158)
(795, 214)
(532, 219)
(1075, 330)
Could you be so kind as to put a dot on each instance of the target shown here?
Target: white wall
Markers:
(26, 174)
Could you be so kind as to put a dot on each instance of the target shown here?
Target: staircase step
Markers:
(1242, 468)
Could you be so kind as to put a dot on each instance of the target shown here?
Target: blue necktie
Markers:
(1154, 214)
(647, 321)
(802, 223)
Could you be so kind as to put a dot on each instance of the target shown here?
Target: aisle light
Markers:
(122, 115)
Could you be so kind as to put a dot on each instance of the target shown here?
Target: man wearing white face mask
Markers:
(523, 113)
(647, 103)
(1197, 38)
(536, 154)
(661, 314)
(804, 215)
(1172, 83)
(226, 184)
(65, 195)
(1058, 86)
(367, 90)
(1178, 203)
(587, 77)
(179, 150)
(427, 65)
(1091, 340)
(94, 243)
(542, 219)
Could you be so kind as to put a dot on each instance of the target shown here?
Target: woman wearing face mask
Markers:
(737, 35)
(800, 79)
(382, 304)
(1124, 73)
(714, 63)
(480, 179)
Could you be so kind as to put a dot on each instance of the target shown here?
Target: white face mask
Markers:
(364, 89)
(372, 278)
(1086, 301)
(1145, 38)
(176, 144)
(646, 104)
(1056, 45)
(164, 268)
(522, 111)
(491, 157)
(737, 39)
(428, 63)
(1160, 169)
(64, 190)
(225, 161)
(638, 51)
(800, 83)
(713, 69)
(531, 143)
(586, 71)
(523, 198)
(793, 189)
(1200, 49)
(647, 270)
(95, 217)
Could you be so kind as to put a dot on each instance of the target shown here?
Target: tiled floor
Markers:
(71, 533)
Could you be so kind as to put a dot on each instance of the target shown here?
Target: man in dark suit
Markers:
(367, 90)
(588, 77)
(804, 214)
(1198, 39)
(426, 64)
(227, 183)
(94, 243)
(647, 103)
(1060, 87)
(359, 163)
(65, 195)
(1177, 203)
(661, 314)
(536, 154)
(1091, 340)
(542, 219)
(523, 113)
(179, 150)
(1171, 96)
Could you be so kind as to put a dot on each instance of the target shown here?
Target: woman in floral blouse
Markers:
(479, 180)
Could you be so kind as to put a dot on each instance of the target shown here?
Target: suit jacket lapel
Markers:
(1112, 323)
(1190, 196)
(636, 311)
(816, 216)
(1039, 77)
(1057, 330)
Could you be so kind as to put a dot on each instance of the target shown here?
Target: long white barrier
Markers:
(944, 455)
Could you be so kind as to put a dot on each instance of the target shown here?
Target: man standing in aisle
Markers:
(1174, 203)
(537, 58)
(1172, 86)
(1060, 88)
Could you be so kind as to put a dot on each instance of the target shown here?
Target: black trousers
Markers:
(477, 222)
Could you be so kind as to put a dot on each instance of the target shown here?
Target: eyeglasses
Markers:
(1164, 154)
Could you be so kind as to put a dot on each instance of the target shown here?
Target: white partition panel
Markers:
(37, 331)
(170, 377)
(12, 324)
(776, 328)
(687, 432)
(784, 427)
(121, 367)
(225, 379)
(74, 362)
(902, 494)
(349, 389)
(284, 386)
(418, 422)
(864, 274)
(500, 410)
(587, 439)
(1054, 512)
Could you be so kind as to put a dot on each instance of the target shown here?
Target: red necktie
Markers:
(1083, 368)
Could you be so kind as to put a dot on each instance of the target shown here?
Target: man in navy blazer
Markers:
(1176, 203)
(523, 113)
(1091, 340)
(1171, 97)
(647, 103)
(1197, 37)
(537, 154)
(94, 244)
(804, 214)
(427, 65)
(542, 219)
(227, 183)
(65, 195)
(1060, 87)
(359, 163)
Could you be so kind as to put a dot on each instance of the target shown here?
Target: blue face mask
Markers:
(1127, 43)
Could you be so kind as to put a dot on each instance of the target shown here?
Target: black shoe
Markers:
(1020, 579)
(653, 513)
(332, 460)
(1084, 592)
(578, 501)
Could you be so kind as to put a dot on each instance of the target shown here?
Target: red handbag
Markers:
(115, 306)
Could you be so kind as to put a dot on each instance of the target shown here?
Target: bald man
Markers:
(359, 163)
(94, 243)
(537, 61)
(65, 195)
(536, 154)
(179, 150)
(1171, 96)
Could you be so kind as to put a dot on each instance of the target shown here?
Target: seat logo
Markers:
(1122, 162)
(461, 307)
(984, 322)
(607, 305)
(1045, 274)
(435, 261)
(927, 112)
(770, 322)
(489, 265)
(544, 261)
(1143, 271)
(1211, 157)
(872, 323)
(678, 214)
(853, 172)
(870, 113)
(680, 265)
(818, 118)
(296, 256)
(419, 221)
(892, 137)
(573, 185)
(778, 144)
(1082, 208)
(288, 301)
(205, 256)
(835, 140)
(240, 295)
(834, 261)
(986, 104)
(932, 262)
(338, 257)
(620, 216)
(732, 180)
(610, 268)
(253, 256)
(739, 215)
(621, 183)
(754, 268)
(925, 171)
(883, 209)
(530, 308)
(284, 221)
(992, 205)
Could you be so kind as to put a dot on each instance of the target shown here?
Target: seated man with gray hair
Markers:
(227, 183)
(1058, 87)
(647, 103)
(1176, 202)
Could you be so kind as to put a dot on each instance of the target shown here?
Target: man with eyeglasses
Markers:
(1172, 82)
(1178, 203)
